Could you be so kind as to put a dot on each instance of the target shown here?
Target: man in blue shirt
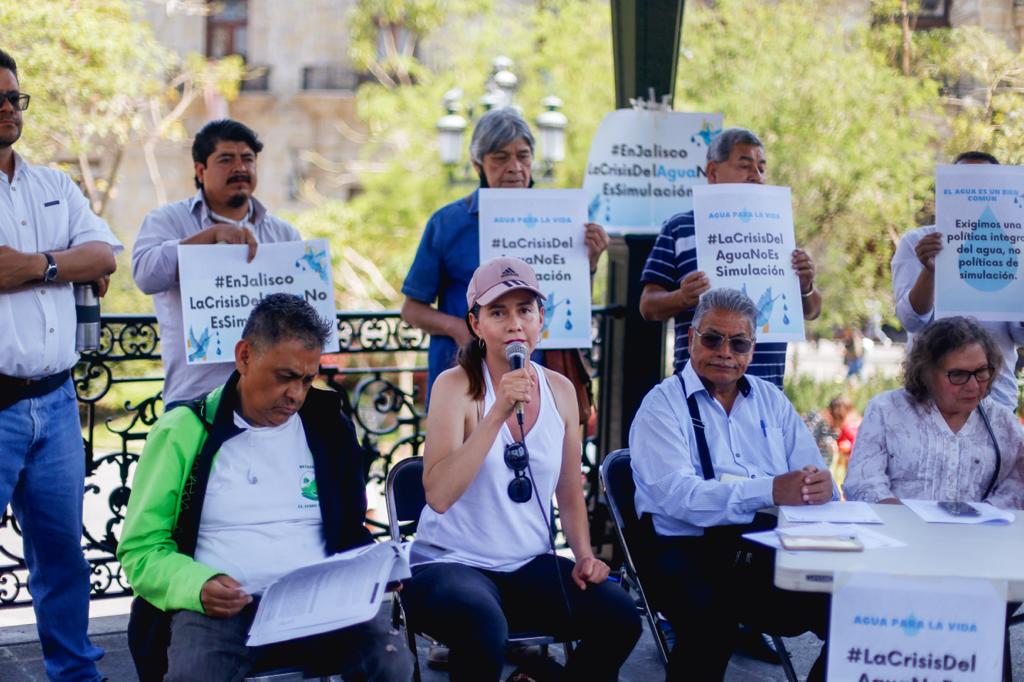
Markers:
(502, 154)
(672, 282)
(711, 446)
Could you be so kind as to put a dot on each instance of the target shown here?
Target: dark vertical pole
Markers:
(645, 35)
(646, 46)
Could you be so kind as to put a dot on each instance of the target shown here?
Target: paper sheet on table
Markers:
(340, 591)
(831, 512)
(870, 538)
(929, 512)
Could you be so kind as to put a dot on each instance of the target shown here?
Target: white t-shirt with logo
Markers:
(261, 518)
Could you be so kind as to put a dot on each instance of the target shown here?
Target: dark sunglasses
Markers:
(18, 100)
(713, 341)
(517, 459)
(959, 377)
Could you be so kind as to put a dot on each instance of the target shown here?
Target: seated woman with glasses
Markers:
(941, 437)
(500, 443)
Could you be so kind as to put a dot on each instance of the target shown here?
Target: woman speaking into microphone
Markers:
(501, 442)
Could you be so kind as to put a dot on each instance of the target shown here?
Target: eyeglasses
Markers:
(959, 377)
(520, 489)
(713, 341)
(18, 100)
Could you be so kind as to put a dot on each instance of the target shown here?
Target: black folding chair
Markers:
(406, 499)
(638, 533)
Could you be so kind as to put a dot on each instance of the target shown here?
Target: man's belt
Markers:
(15, 389)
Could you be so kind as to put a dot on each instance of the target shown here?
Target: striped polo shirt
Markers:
(673, 257)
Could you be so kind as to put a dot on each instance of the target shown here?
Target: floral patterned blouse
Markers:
(906, 450)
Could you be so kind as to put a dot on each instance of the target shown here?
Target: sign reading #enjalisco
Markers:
(219, 289)
(643, 165)
(545, 228)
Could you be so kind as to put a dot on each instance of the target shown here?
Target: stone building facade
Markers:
(302, 103)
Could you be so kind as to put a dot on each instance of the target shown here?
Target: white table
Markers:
(932, 550)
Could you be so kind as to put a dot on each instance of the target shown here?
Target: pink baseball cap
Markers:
(499, 276)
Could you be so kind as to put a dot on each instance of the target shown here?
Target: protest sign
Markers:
(979, 209)
(545, 228)
(904, 628)
(219, 289)
(744, 236)
(643, 165)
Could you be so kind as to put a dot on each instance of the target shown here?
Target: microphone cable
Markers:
(548, 522)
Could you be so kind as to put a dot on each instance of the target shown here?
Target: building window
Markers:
(226, 28)
(933, 14)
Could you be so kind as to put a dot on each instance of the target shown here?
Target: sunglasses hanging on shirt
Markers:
(520, 489)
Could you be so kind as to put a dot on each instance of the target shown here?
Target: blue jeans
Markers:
(42, 476)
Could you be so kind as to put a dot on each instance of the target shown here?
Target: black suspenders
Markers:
(706, 467)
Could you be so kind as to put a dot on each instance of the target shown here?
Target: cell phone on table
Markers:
(959, 509)
(821, 543)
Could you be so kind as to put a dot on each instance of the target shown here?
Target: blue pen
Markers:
(764, 429)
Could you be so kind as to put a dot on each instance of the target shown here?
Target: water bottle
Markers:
(87, 309)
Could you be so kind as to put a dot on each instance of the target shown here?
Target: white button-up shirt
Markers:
(905, 449)
(760, 438)
(1008, 335)
(42, 210)
(155, 269)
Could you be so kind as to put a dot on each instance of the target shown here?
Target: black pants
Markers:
(472, 611)
(707, 585)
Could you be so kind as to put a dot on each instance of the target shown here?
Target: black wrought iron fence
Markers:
(379, 371)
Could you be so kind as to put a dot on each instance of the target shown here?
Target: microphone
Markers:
(515, 352)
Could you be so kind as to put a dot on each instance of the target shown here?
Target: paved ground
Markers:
(21, 659)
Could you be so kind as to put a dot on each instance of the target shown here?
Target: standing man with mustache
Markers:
(49, 238)
(223, 211)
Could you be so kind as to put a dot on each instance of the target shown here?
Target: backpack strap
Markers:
(186, 532)
(706, 467)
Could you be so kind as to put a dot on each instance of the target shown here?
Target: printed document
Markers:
(343, 590)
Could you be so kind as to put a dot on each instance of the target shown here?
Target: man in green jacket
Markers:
(260, 477)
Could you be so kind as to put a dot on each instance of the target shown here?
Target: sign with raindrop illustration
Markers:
(643, 165)
(916, 627)
(979, 209)
(219, 289)
(745, 241)
(545, 228)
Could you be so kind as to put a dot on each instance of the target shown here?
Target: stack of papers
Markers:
(831, 512)
(929, 512)
(870, 538)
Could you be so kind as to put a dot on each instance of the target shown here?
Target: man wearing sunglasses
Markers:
(710, 447)
(49, 238)
(672, 282)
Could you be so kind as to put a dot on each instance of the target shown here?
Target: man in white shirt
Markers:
(259, 478)
(913, 285)
(711, 446)
(222, 211)
(49, 238)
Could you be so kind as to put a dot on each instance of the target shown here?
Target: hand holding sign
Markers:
(979, 211)
(745, 241)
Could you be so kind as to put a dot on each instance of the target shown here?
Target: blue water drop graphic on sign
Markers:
(986, 244)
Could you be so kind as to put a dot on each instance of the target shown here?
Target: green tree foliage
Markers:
(100, 81)
(848, 132)
(988, 95)
(561, 47)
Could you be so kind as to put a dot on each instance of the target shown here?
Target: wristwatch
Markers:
(50, 273)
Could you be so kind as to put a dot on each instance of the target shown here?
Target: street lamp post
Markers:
(500, 92)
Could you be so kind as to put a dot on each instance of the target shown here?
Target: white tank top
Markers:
(484, 527)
